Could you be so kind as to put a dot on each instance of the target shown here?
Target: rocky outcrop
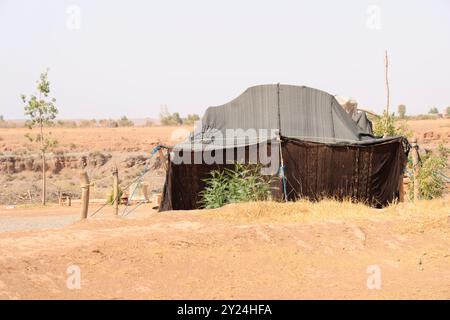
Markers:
(431, 135)
(134, 160)
(54, 163)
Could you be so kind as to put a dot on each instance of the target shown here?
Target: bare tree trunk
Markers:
(44, 181)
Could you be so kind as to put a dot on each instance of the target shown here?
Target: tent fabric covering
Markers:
(295, 111)
(363, 122)
(326, 153)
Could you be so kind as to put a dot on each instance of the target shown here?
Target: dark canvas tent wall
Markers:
(326, 153)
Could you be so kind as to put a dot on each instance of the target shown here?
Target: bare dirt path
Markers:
(23, 218)
(263, 250)
(36, 217)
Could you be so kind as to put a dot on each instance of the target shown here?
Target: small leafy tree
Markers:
(447, 111)
(401, 110)
(433, 110)
(385, 125)
(176, 118)
(168, 119)
(41, 111)
(191, 118)
(125, 122)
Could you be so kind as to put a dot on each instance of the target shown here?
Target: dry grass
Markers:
(276, 212)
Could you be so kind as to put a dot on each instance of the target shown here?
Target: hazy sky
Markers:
(109, 58)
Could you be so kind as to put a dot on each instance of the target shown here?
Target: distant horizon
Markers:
(183, 116)
(392, 110)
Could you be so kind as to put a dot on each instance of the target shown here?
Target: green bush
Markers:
(433, 110)
(430, 178)
(169, 119)
(389, 126)
(242, 184)
(173, 119)
(191, 118)
(385, 125)
(125, 122)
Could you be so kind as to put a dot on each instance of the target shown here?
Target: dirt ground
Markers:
(431, 132)
(96, 139)
(131, 139)
(244, 251)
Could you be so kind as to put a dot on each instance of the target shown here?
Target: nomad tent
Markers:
(299, 134)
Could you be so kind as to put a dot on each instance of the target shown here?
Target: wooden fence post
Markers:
(415, 160)
(84, 194)
(116, 199)
(401, 197)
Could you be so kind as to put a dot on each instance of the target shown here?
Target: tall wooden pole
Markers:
(388, 98)
(415, 160)
(115, 174)
(84, 179)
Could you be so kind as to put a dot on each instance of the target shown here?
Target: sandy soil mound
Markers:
(256, 250)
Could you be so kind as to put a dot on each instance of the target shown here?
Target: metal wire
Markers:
(136, 180)
(139, 178)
